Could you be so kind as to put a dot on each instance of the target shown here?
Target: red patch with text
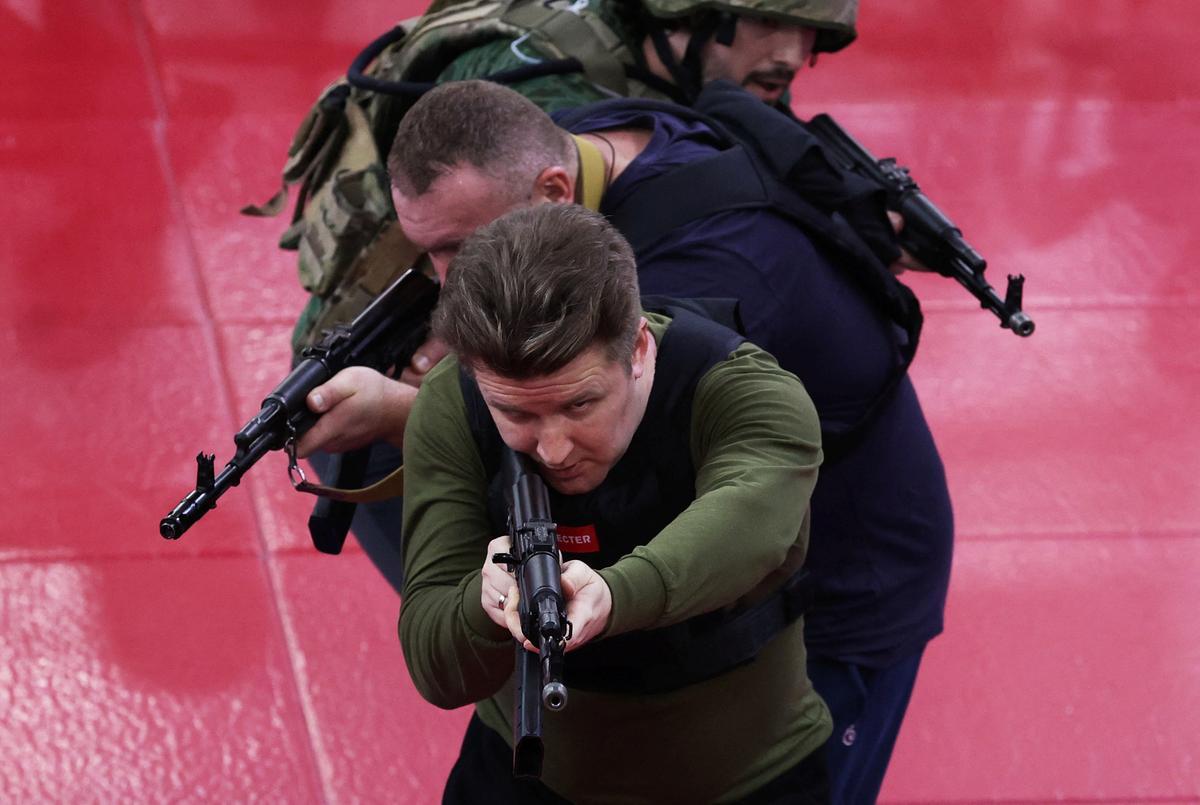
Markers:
(578, 539)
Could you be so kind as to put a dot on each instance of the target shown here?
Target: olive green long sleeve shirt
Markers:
(756, 448)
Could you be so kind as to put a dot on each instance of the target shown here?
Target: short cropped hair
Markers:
(534, 289)
(499, 132)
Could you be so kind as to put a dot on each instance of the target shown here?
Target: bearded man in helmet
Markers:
(671, 48)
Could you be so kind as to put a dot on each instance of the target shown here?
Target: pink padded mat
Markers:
(143, 319)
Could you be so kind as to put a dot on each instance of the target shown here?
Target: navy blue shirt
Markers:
(882, 528)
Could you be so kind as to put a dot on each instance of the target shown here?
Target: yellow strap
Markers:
(591, 174)
(391, 486)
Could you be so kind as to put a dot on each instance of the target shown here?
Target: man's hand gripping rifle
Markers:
(535, 560)
(928, 235)
(383, 336)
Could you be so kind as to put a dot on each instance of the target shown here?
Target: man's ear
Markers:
(641, 346)
(553, 185)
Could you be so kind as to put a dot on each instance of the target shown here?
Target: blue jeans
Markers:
(868, 705)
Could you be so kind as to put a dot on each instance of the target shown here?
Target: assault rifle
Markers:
(534, 557)
(383, 336)
(928, 235)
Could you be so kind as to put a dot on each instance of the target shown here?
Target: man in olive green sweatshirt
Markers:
(680, 460)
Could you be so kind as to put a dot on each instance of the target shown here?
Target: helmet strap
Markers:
(726, 29)
(688, 73)
(688, 84)
(703, 28)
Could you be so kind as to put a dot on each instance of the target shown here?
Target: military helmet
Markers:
(833, 20)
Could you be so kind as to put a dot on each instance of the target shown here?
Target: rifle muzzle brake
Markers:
(554, 696)
(1020, 324)
(181, 519)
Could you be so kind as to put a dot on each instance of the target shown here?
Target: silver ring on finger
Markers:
(501, 600)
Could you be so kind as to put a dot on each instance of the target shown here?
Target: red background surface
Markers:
(141, 319)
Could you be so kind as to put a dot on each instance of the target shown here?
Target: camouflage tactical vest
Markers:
(344, 226)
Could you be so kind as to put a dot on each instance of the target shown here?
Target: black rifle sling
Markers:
(330, 520)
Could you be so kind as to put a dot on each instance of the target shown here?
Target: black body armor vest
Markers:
(653, 482)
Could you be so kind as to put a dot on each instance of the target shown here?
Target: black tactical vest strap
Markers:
(704, 646)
